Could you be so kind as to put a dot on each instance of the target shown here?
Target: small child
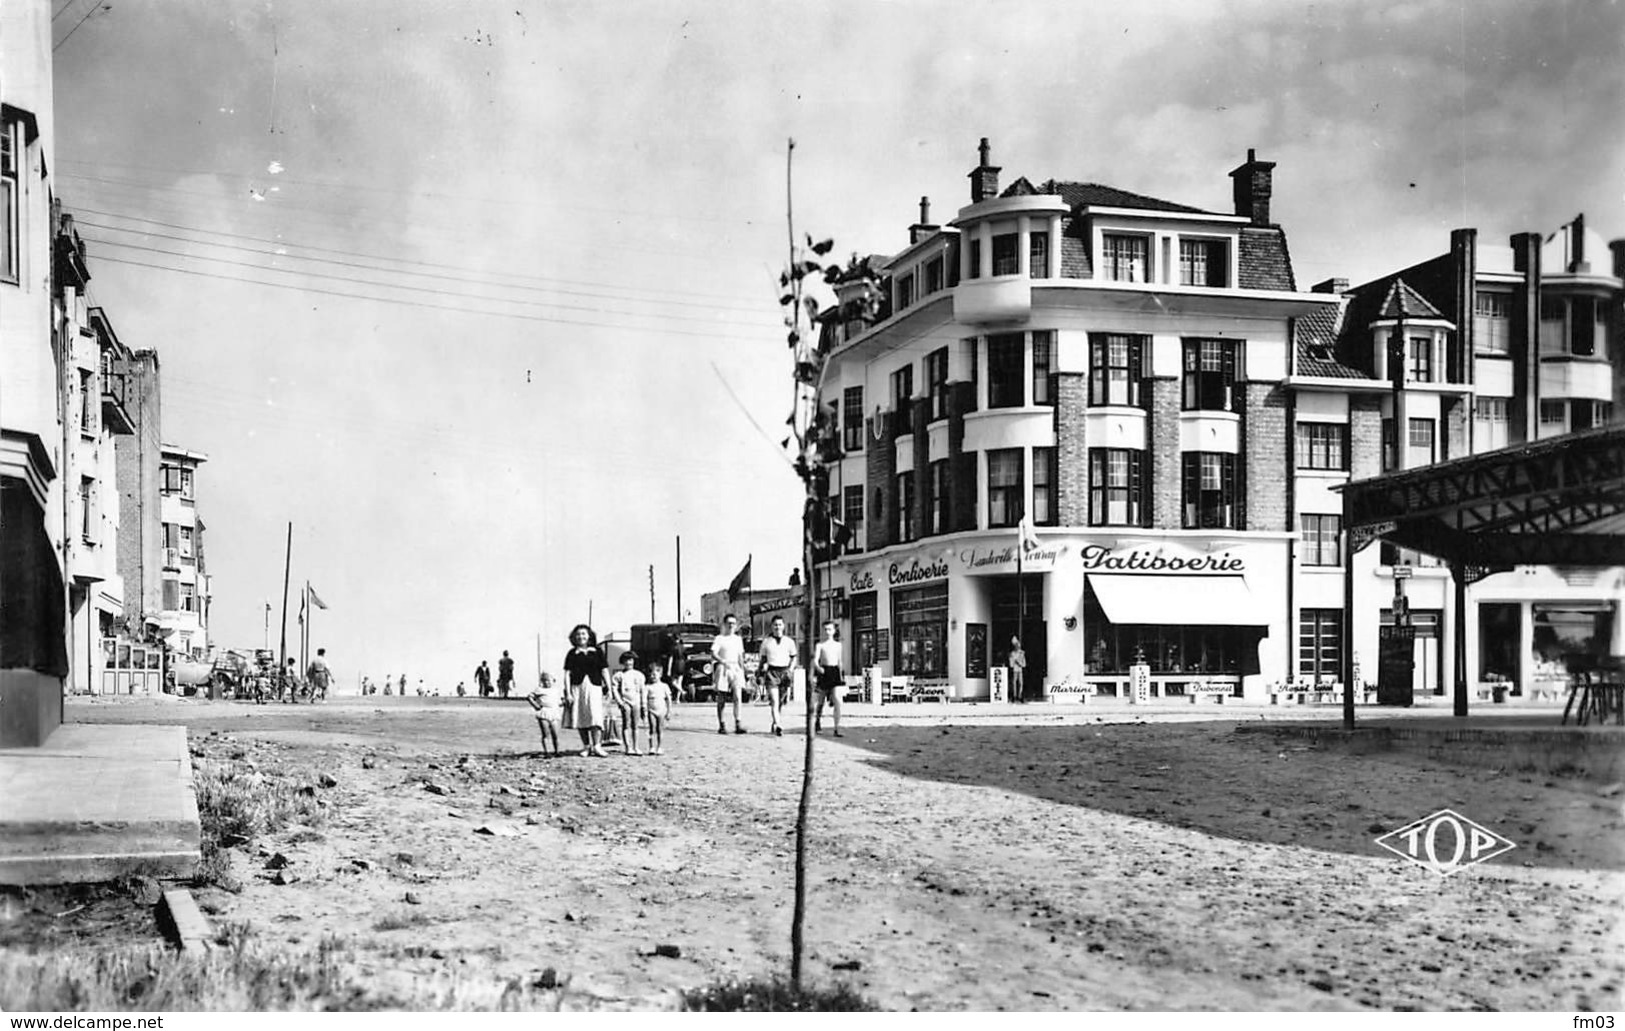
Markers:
(627, 693)
(548, 701)
(657, 704)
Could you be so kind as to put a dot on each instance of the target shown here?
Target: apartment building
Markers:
(1109, 368)
(1481, 347)
(183, 615)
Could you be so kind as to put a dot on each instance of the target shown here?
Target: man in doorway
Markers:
(504, 674)
(728, 670)
(777, 671)
(1018, 670)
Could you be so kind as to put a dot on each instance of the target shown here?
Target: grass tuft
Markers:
(774, 995)
(240, 805)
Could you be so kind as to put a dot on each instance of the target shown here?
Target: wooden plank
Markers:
(183, 921)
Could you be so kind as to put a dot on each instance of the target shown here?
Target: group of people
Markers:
(482, 677)
(369, 687)
(602, 706)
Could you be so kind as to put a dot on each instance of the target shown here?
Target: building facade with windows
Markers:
(1479, 348)
(183, 613)
(1109, 368)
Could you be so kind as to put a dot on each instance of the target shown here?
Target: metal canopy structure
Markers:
(1559, 501)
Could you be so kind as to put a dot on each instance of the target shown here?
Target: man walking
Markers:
(777, 672)
(482, 679)
(728, 670)
(504, 674)
(319, 675)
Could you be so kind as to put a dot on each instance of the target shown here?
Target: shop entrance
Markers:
(1428, 679)
(1009, 594)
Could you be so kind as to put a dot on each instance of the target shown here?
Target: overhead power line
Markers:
(522, 316)
(97, 6)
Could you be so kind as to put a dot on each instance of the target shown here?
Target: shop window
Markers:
(1006, 259)
(1125, 258)
(852, 515)
(1111, 648)
(1004, 487)
(1117, 369)
(902, 398)
(1500, 636)
(1006, 386)
(1043, 367)
(1046, 512)
(1421, 363)
(1117, 487)
(852, 419)
(1320, 644)
(936, 384)
(1038, 255)
(906, 528)
(1322, 540)
(1212, 500)
(1210, 375)
(1570, 636)
(1323, 445)
(864, 632)
(1203, 262)
(937, 509)
(920, 631)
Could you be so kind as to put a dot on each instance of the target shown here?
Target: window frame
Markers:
(941, 484)
(1102, 365)
(902, 396)
(1204, 389)
(936, 384)
(1419, 359)
(1046, 486)
(1319, 439)
(852, 419)
(1215, 261)
(904, 522)
(1320, 633)
(1038, 255)
(973, 250)
(1043, 387)
(1103, 491)
(852, 515)
(1197, 513)
(1009, 497)
(1002, 378)
(1113, 262)
(1006, 254)
(11, 159)
(1321, 535)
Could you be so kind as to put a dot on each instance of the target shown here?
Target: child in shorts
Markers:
(657, 705)
(548, 701)
(626, 692)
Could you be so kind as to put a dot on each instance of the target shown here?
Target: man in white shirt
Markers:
(777, 672)
(728, 670)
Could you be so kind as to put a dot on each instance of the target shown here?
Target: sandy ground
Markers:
(1038, 864)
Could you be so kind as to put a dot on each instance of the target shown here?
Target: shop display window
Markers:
(920, 631)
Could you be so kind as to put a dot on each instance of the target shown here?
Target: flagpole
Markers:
(287, 566)
(1021, 600)
(750, 593)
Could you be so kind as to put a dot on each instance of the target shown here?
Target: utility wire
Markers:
(418, 288)
(391, 271)
(94, 8)
(664, 330)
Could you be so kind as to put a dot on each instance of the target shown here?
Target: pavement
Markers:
(97, 802)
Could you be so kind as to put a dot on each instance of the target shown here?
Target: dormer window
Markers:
(905, 291)
(1203, 262)
(933, 276)
(1006, 249)
(1125, 258)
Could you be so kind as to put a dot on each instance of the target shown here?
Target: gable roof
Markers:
(1020, 188)
(1081, 194)
(1404, 303)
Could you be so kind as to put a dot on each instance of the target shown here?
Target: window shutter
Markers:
(172, 595)
(1193, 485)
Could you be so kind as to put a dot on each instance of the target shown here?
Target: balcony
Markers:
(115, 412)
(172, 558)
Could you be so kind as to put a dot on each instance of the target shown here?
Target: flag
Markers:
(740, 582)
(315, 599)
(301, 609)
(1029, 538)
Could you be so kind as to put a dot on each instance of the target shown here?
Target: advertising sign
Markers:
(1001, 683)
(1396, 665)
(975, 651)
(1139, 679)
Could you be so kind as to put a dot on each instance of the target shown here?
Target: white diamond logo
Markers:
(1445, 842)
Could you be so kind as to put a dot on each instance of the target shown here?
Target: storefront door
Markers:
(1010, 619)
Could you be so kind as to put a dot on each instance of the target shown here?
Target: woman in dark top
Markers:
(585, 678)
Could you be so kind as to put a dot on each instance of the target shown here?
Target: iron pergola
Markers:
(1559, 501)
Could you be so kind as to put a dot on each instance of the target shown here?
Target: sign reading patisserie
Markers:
(1099, 559)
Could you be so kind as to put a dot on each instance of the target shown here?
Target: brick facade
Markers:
(1264, 421)
(1164, 474)
(1365, 436)
(880, 478)
(1071, 449)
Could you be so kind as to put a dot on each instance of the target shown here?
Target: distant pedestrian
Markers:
(1018, 671)
(777, 672)
(628, 694)
(402, 691)
(291, 682)
(504, 674)
(586, 677)
(657, 707)
(461, 690)
(548, 702)
(482, 678)
(728, 670)
(830, 685)
(319, 675)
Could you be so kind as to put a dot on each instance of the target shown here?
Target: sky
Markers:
(482, 297)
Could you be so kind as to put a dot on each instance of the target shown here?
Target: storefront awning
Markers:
(1178, 600)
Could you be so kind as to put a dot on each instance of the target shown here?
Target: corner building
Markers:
(1109, 367)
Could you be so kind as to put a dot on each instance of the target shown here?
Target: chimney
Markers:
(1577, 245)
(1336, 285)
(984, 178)
(923, 228)
(1251, 184)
